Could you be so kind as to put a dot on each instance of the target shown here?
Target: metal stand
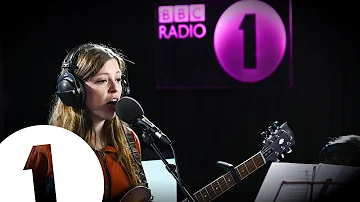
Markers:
(170, 167)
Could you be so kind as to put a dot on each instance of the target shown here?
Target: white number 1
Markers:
(77, 170)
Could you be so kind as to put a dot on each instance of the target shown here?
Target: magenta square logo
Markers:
(197, 12)
(181, 13)
(166, 14)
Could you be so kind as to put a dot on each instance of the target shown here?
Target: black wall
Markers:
(204, 125)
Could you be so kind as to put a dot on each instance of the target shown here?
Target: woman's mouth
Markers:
(111, 103)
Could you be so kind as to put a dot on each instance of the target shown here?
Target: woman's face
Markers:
(104, 87)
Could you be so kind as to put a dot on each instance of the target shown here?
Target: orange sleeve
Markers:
(38, 163)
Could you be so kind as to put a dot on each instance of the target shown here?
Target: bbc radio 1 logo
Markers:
(181, 21)
(249, 41)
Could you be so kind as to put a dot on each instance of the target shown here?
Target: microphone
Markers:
(130, 111)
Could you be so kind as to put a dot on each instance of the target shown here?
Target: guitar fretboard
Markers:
(226, 181)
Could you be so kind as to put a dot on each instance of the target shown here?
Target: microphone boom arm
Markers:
(147, 126)
(170, 167)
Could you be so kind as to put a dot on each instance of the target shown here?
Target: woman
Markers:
(90, 84)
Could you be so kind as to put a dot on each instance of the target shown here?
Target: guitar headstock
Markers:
(277, 141)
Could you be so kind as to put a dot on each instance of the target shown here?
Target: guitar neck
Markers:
(226, 181)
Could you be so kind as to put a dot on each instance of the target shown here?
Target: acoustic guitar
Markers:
(278, 140)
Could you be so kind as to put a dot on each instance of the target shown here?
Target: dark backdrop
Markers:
(204, 125)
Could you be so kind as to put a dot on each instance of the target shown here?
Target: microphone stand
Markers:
(170, 167)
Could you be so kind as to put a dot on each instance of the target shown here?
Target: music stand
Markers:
(302, 182)
(308, 196)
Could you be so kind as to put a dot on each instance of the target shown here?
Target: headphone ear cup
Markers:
(125, 87)
(70, 90)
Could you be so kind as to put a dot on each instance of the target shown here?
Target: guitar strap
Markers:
(137, 158)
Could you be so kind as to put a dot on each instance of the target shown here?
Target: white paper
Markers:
(277, 185)
(338, 173)
(283, 171)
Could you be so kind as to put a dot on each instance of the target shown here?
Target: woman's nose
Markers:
(115, 86)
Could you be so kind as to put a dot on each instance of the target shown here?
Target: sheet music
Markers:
(292, 181)
(337, 173)
(291, 172)
(293, 193)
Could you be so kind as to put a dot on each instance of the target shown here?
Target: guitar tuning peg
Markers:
(289, 151)
(271, 130)
(282, 155)
(276, 124)
(264, 134)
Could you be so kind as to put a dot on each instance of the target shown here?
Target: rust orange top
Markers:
(116, 180)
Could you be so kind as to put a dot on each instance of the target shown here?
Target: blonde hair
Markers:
(90, 60)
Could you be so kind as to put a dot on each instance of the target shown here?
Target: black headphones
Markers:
(70, 89)
(343, 149)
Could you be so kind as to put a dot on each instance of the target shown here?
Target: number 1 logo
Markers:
(250, 40)
(77, 171)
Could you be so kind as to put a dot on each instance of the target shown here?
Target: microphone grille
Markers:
(128, 109)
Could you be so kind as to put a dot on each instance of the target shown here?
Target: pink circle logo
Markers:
(250, 40)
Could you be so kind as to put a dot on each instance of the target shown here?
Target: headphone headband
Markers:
(70, 61)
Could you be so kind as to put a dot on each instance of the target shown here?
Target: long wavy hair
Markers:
(91, 59)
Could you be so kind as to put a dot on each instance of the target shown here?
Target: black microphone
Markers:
(130, 111)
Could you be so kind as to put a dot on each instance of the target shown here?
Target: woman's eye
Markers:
(118, 80)
(100, 81)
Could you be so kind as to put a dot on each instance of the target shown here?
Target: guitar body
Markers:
(137, 194)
